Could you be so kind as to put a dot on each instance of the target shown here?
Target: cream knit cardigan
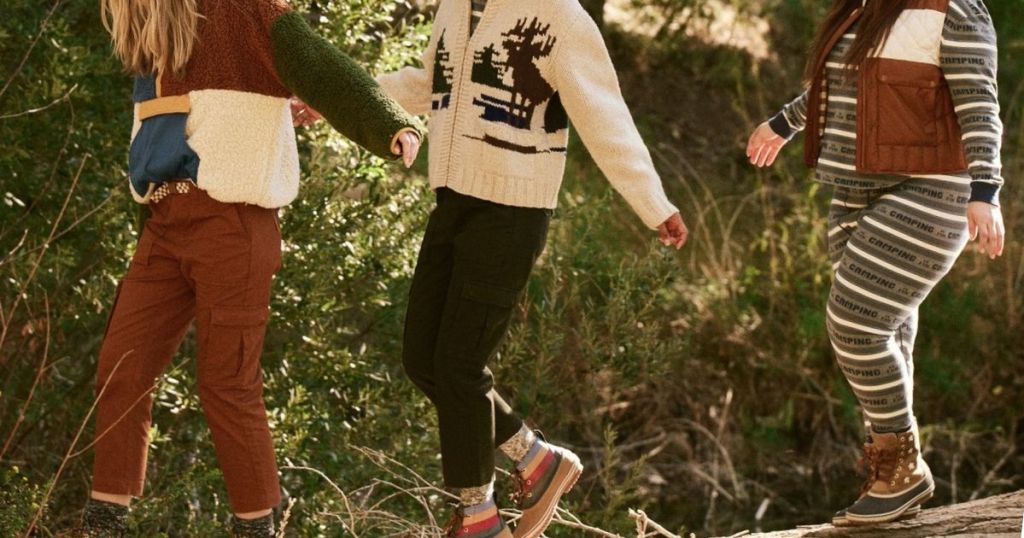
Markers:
(499, 102)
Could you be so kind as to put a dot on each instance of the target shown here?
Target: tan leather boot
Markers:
(898, 480)
(541, 486)
(839, 518)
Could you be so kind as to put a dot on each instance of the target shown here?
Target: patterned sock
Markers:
(537, 451)
(104, 520)
(253, 528)
(472, 497)
(519, 445)
(486, 507)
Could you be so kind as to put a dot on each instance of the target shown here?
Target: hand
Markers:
(764, 145)
(985, 223)
(673, 232)
(407, 145)
(303, 115)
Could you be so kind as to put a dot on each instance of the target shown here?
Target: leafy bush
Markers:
(696, 386)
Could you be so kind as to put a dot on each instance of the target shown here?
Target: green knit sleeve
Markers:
(336, 86)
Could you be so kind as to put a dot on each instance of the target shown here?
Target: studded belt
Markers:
(171, 187)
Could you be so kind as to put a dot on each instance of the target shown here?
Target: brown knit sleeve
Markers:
(269, 10)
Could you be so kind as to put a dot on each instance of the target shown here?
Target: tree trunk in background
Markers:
(596, 10)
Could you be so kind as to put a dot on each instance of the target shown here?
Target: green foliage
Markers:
(19, 498)
(694, 385)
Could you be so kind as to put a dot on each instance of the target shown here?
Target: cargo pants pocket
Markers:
(481, 320)
(233, 346)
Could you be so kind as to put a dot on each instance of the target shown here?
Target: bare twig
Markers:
(285, 517)
(35, 382)
(726, 458)
(61, 233)
(68, 455)
(51, 181)
(35, 41)
(145, 393)
(24, 235)
(334, 486)
(39, 259)
(643, 522)
(371, 518)
(37, 110)
(991, 474)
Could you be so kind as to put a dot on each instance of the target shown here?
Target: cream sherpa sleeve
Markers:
(589, 88)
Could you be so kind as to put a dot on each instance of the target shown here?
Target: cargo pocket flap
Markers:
(240, 317)
(492, 295)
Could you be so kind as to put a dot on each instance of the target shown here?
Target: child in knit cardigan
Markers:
(500, 80)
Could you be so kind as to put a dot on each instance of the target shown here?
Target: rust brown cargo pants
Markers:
(211, 262)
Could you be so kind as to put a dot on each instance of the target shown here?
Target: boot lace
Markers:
(518, 494)
(869, 460)
(451, 530)
(880, 464)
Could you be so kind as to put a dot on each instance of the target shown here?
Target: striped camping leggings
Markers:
(889, 247)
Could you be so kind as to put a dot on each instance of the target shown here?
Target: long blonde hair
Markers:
(152, 36)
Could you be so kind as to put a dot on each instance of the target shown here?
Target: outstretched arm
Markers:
(337, 87)
(769, 137)
(589, 88)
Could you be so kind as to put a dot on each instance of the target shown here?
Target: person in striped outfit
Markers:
(902, 119)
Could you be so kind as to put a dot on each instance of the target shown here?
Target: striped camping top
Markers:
(476, 12)
(968, 61)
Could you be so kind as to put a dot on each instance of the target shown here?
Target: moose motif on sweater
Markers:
(511, 68)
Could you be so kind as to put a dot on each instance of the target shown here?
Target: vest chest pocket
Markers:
(908, 110)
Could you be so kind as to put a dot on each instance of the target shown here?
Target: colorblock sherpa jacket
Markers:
(225, 122)
(500, 101)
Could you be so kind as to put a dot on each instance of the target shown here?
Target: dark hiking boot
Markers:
(262, 527)
(541, 485)
(898, 479)
(104, 520)
(486, 523)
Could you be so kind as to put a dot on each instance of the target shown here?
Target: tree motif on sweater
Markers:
(444, 74)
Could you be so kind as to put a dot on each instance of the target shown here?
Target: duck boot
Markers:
(898, 480)
(541, 485)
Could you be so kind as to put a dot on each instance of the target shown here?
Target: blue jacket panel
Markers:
(160, 151)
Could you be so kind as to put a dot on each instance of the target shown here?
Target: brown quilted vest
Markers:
(906, 123)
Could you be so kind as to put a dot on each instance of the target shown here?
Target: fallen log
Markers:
(994, 517)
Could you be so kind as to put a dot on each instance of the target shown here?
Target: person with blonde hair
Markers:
(213, 154)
